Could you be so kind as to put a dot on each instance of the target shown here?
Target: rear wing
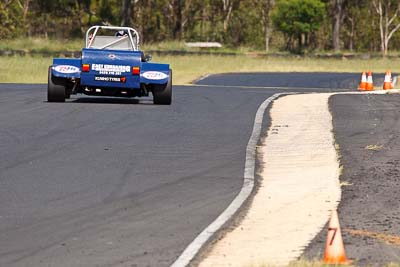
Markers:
(112, 37)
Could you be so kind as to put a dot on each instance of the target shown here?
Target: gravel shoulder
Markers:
(366, 128)
(299, 186)
(286, 217)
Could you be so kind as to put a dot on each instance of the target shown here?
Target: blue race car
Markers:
(111, 65)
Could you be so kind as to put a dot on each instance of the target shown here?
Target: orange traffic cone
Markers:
(387, 84)
(363, 83)
(370, 83)
(334, 248)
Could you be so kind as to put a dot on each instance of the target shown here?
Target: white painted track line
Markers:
(248, 184)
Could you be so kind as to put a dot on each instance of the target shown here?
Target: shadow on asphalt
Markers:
(105, 100)
(108, 100)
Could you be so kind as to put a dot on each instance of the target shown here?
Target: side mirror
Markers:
(148, 58)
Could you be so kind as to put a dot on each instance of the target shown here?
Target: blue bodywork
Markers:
(111, 68)
(111, 64)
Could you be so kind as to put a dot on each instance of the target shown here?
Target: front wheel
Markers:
(68, 92)
(162, 93)
(55, 92)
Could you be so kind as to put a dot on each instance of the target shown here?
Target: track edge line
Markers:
(195, 246)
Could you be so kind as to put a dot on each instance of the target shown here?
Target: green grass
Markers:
(54, 45)
(187, 67)
(42, 45)
(167, 46)
(180, 46)
(29, 69)
(36, 44)
(24, 69)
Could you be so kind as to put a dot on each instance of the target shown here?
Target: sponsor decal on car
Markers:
(154, 75)
(66, 69)
(110, 79)
(111, 69)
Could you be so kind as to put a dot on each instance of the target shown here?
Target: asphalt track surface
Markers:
(293, 80)
(120, 182)
(366, 127)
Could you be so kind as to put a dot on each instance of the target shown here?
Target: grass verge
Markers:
(186, 68)
(42, 45)
(56, 45)
(24, 69)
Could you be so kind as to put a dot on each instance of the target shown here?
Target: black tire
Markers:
(162, 93)
(68, 92)
(55, 92)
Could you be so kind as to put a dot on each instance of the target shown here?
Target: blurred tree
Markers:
(10, 18)
(338, 18)
(126, 13)
(388, 11)
(228, 6)
(177, 19)
(263, 8)
(298, 24)
(298, 19)
(357, 30)
(106, 12)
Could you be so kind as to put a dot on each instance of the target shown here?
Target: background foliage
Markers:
(297, 25)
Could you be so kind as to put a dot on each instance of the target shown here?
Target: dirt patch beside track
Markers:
(299, 187)
(367, 130)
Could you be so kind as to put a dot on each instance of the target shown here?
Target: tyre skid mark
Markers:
(386, 238)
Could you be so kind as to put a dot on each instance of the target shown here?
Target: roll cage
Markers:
(112, 37)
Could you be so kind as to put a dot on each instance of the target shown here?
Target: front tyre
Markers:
(68, 92)
(55, 92)
(162, 93)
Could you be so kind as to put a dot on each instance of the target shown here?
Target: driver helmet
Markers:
(121, 33)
